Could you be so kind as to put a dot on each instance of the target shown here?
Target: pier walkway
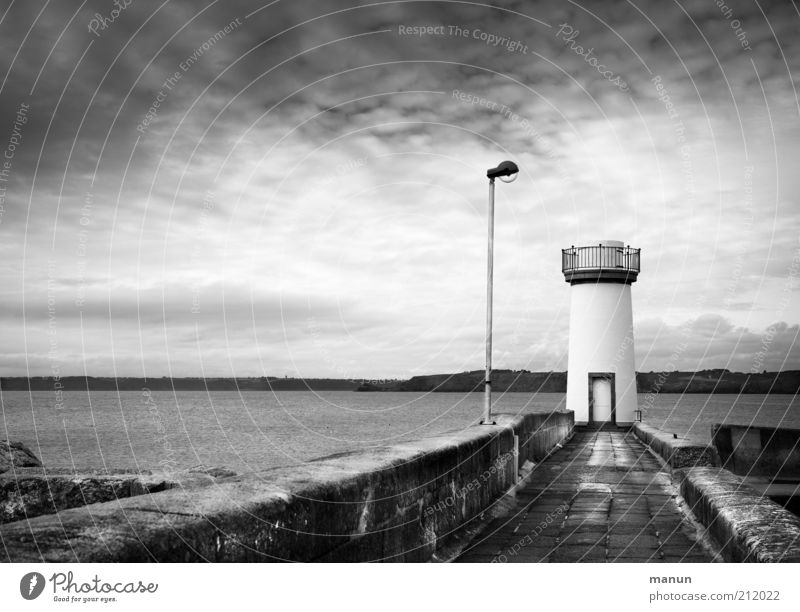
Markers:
(602, 498)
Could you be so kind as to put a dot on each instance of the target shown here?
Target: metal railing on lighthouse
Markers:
(601, 256)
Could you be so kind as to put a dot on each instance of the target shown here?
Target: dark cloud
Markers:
(712, 341)
(314, 157)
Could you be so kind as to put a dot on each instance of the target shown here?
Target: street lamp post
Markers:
(507, 172)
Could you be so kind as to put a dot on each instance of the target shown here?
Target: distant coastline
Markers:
(705, 381)
(190, 383)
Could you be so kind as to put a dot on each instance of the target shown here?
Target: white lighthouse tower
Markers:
(601, 381)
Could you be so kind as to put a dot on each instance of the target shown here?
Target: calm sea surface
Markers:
(253, 431)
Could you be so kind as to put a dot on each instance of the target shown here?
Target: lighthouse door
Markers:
(601, 400)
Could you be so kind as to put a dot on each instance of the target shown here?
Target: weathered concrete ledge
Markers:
(16, 455)
(773, 452)
(745, 525)
(396, 503)
(676, 452)
(31, 492)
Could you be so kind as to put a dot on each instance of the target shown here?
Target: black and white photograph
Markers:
(407, 281)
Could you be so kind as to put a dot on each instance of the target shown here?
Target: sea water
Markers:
(254, 431)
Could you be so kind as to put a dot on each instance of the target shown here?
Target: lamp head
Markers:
(505, 169)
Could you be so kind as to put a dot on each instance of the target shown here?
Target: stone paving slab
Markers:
(603, 498)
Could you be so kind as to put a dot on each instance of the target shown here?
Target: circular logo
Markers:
(31, 585)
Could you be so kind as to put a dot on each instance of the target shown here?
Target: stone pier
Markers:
(602, 498)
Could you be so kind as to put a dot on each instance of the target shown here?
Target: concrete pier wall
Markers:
(759, 451)
(745, 525)
(398, 503)
(26, 495)
(676, 452)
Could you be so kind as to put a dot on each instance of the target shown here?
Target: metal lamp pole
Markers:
(505, 169)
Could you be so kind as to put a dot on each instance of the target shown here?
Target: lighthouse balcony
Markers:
(600, 263)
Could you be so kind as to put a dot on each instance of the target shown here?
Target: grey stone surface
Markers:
(746, 525)
(748, 450)
(394, 503)
(16, 455)
(213, 471)
(676, 452)
(601, 499)
(31, 495)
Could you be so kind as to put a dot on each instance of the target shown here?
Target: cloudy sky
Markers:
(268, 188)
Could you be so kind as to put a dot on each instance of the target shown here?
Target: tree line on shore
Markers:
(705, 381)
